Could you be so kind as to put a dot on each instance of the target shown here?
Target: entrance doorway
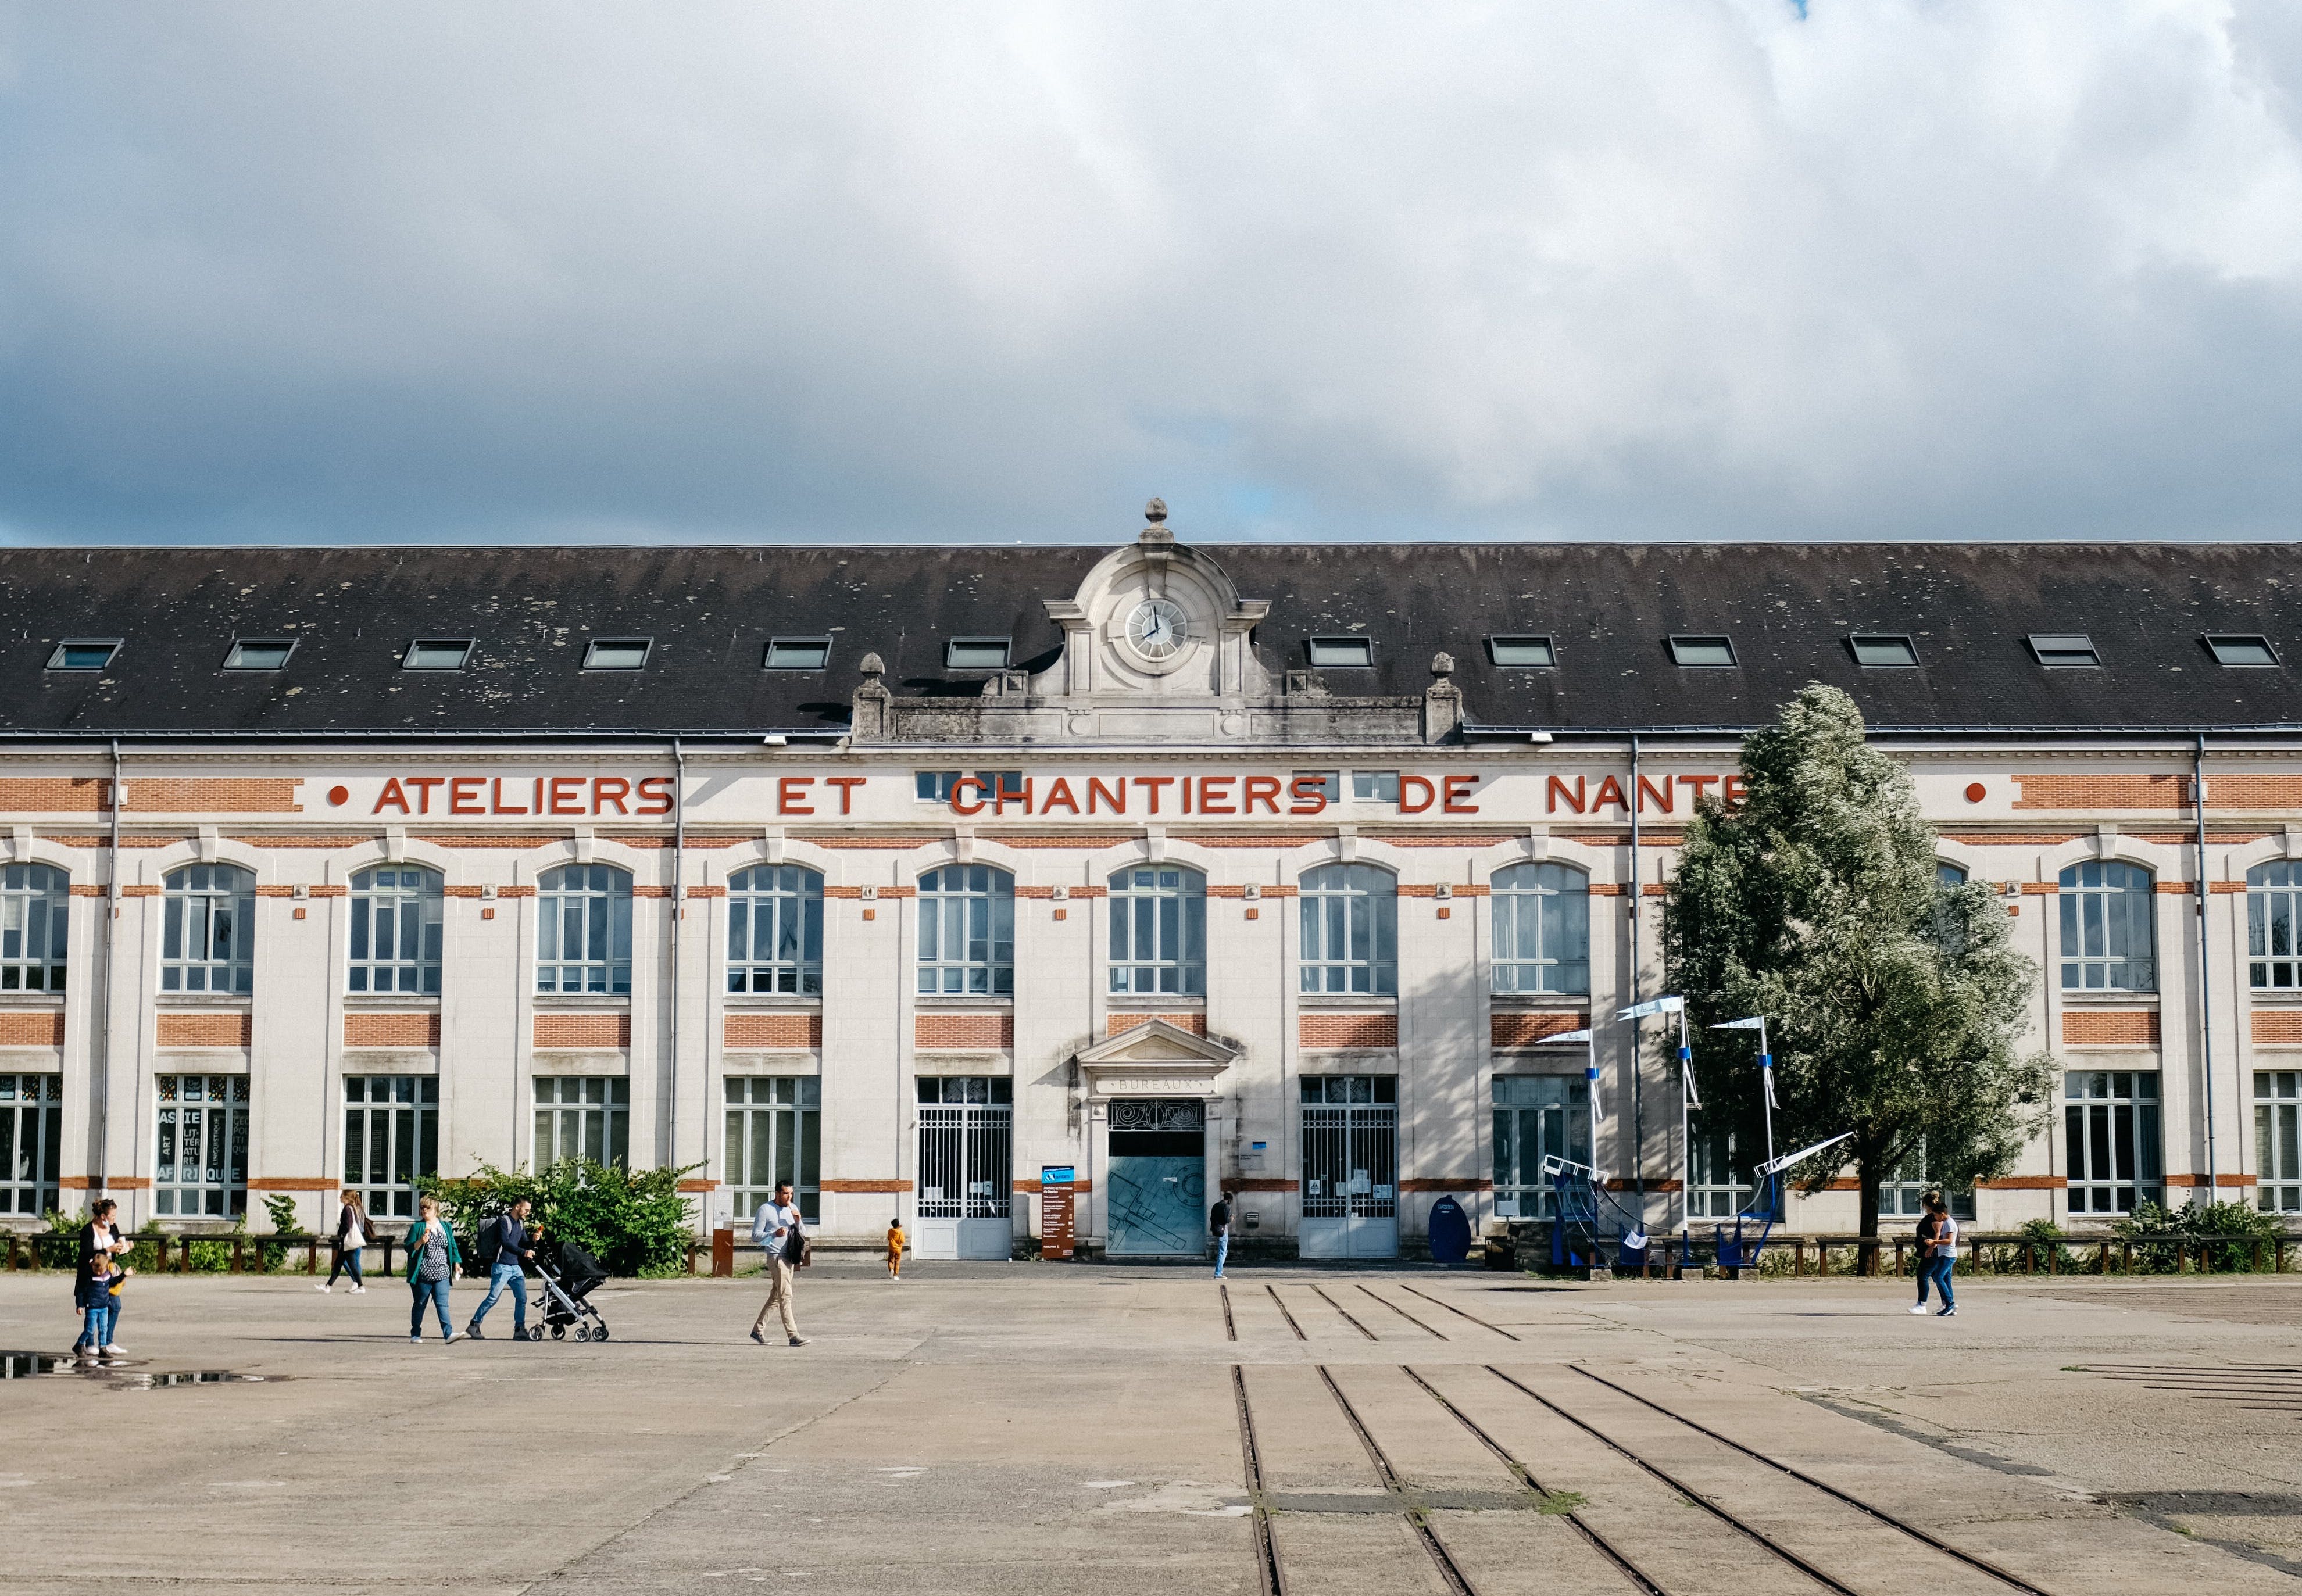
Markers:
(967, 1183)
(1351, 1167)
(1157, 1178)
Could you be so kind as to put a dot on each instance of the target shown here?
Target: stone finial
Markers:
(1155, 511)
(1442, 664)
(874, 667)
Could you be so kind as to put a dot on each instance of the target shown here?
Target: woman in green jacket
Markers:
(433, 1261)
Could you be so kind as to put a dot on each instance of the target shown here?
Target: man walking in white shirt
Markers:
(778, 1227)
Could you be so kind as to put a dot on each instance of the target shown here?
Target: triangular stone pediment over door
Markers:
(1156, 1059)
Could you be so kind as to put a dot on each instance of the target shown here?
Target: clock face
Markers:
(1157, 629)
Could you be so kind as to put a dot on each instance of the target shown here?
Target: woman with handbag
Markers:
(351, 1235)
(432, 1260)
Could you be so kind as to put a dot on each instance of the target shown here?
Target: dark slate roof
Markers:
(1789, 608)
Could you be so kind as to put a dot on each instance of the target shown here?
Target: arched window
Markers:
(1350, 929)
(2109, 939)
(2273, 912)
(34, 899)
(1947, 874)
(395, 941)
(1159, 931)
(207, 916)
(1543, 928)
(583, 930)
(967, 931)
(775, 930)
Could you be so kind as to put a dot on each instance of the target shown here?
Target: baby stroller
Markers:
(568, 1274)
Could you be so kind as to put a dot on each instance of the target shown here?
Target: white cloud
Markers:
(1933, 268)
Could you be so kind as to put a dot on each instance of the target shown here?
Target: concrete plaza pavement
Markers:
(1027, 1428)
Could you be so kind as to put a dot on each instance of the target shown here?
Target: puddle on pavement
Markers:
(33, 1365)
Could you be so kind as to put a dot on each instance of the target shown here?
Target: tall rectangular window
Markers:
(2277, 1140)
(200, 1166)
(1350, 930)
(967, 931)
(2273, 912)
(35, 900)
(1536, 1117)
(775, 1129)
(2109, 925)
(775, 930)
(583, 930)
(396, 915)
(31, 1142)
(1902, 1192)
(1541, 917)
(1159, 931)
(582, 1116)
(2110, 1144)
(391, 1140)
(1723, 1169)
(207, 916)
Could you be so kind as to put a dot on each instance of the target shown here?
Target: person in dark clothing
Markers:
(99, 1239)
(1219, 1225)
(514, 1251)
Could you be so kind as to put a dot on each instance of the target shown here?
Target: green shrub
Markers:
(635, 1221)
(2214, 1235)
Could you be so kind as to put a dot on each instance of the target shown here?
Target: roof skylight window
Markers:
(1884, 651)
(617, 653)
(2241, 651)
(806, 654)
(437, 653)
(259, 653)
(977, 653)
(83, 654)
(1533, 653)
(1342, 651)
(1703, 653)
(2064, 650)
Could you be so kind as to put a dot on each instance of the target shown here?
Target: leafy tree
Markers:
(1894, 1001)
(635, 1221)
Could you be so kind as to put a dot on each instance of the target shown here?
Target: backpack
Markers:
(491, 1244)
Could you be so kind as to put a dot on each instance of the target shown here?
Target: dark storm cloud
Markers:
(1688, 270)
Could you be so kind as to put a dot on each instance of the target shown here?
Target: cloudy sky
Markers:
(1678, 269)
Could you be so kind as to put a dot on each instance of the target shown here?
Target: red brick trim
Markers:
(583, 1030)
(300, 840)
(772, 1027)
(2220, 1181)
(940, 1028)
(87, 892)
(56, 795)
(1624, 1184)
(2109, 1028)
(1446, 1183)
(707, 892)
(1320, 1028)
(105, 1182)
(391, 1029)
(1258, 1183)
(699, 1186)
(1032, 1186)
(292, 1183)
(202, 1029)
(2012, 839)
(2163, 792)
(486, 839)
(2277, 1028)
(865, 1186)
(2024, 1183)
(138, 890)
(31, 1028)
(1527, 1027)
(1197, 1024)
(850, 840)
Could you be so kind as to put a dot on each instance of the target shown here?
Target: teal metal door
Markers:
(1157, 1178)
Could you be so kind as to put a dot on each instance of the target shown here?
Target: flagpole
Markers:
(1767, 1081)
(1686, 1144)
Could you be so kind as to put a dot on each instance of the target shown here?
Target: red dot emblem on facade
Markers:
(340, 797)
(1975, 791)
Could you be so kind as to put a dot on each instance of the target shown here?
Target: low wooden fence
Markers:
(2015, 1252)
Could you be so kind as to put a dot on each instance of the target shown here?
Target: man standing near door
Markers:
(779, 1228)
(1219, 1225)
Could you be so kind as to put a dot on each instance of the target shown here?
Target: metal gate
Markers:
(1351, 1167)
(966, 1182)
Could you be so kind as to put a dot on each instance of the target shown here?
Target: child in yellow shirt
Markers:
(895, 1249)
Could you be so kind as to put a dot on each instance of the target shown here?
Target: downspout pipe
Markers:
(679, 912)
(103, 1016)
(2206, 991)
(1638, 1095)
